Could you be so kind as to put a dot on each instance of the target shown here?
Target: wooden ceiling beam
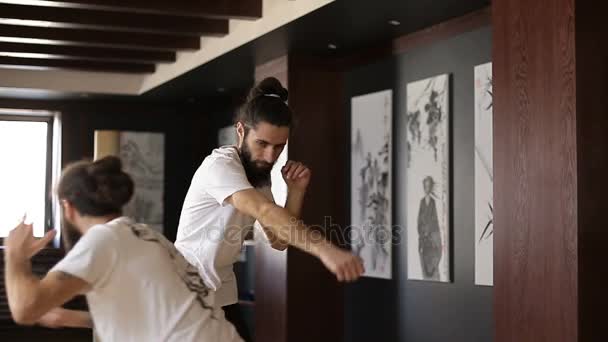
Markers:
(116, 39)
(85, 52)
(97, 66)
(223, 9)
(110, 20)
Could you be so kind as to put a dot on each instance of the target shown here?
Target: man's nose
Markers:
(269, 155)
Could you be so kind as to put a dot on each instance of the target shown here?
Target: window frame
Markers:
(49, 118)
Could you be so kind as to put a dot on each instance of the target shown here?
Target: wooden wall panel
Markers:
(271, 265)
(316, 299)
(297, 299)
(535, 185)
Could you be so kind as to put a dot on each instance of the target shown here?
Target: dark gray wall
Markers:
(415, 311)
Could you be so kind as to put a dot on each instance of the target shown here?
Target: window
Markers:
(26, 159)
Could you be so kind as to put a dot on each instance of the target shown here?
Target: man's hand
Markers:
(345, 265)
(21, 243)
(296, 175)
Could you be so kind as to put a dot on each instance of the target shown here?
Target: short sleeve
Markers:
(93, 258)
(223, 176)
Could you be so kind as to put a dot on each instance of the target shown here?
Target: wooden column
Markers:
(551, 162)
(297, 299)
(315, 310)
(271, 265)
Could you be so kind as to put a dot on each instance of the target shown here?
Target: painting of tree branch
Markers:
(143, 157)
(428, 179)
(371, 197)
(484, 177)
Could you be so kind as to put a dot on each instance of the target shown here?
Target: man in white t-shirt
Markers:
(230, 191)
(138, 286)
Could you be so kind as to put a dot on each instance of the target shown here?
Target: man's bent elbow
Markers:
(23, 316)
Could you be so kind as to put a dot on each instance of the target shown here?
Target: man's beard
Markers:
(258, 173)
(69, 234)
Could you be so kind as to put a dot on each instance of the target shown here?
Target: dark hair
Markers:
(266, 102)
(96, 188)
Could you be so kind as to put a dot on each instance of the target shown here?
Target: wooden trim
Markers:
(225, 9)
(27, 118)
(101, 38)
(86, 53)
(40, 63)
(112, 20)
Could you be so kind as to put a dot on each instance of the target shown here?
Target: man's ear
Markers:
(240, 133)
(68, 210)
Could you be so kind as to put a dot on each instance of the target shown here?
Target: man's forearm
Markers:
(295, 201)
(21, 287)
(291, 230)
(76, 319)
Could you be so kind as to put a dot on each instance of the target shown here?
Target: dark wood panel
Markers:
(41, 63)
(85, 52)
(271, 265)
(535, 182)
(100, 38)
(592, 151)
(315, 310)
(244, 9)
(112, 20)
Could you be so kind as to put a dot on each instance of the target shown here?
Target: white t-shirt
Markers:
(211, 231)
(142, 289)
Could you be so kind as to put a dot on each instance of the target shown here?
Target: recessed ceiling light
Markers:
(394, 22)
(332, 46)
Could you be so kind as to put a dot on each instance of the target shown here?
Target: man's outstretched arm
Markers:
(345, 265)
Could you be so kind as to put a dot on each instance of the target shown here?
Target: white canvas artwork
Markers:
(371, 197)
(143, 157)
(484, 177)
(428, 179)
